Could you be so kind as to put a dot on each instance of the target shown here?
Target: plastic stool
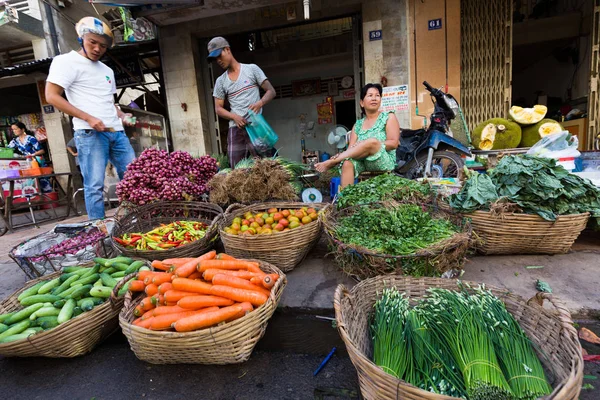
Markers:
(334, 186)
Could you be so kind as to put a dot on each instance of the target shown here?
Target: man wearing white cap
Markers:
(240, 86)
(97, 121)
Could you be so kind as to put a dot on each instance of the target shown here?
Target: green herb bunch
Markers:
(384, 187)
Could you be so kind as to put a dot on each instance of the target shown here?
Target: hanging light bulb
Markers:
(306, 9)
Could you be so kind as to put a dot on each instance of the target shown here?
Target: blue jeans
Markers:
(94, 150)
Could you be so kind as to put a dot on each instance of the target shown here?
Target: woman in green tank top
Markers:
(373, 140)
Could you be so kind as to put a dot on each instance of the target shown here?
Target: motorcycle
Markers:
(432, 152)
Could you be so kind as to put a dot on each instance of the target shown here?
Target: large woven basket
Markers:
(74, 338)
(551, 331)
(361, 263)
(514, 233)
(230, 343)
(284, 249)
(150, 216)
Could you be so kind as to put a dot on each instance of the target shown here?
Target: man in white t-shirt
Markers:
(240, 86)
(97, 121)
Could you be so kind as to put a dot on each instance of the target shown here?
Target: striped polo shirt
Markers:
(243, 92)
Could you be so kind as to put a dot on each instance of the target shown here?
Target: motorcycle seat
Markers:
(408, 133)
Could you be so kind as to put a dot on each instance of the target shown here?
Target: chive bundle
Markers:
(457, 343)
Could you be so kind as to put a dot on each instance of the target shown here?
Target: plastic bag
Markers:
(261, 134)
(558, 145)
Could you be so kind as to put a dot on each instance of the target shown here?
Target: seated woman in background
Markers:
(373, 140)
(30, 147)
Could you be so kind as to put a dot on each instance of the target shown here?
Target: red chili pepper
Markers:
(134, 239)
(121, 241)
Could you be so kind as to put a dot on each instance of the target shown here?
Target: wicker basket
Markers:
(148, 217)
(74, 338)
(513, 233)
(552, 332)
(230, 343)
(361, 263)
(285, 249)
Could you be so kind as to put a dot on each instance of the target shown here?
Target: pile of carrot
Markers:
(187, 294)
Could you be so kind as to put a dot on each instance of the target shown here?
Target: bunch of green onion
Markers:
(458, 343)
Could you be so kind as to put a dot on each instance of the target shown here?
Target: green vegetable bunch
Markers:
(400, 230)
(384, 187)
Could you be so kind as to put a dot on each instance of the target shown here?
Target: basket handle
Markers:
(233, 207)
(115, 292)
(341, 293)
(563, 312)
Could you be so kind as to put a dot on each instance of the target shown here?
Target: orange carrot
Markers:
(137, 286)
(157, 300)
(142, 275)
(210, 273)
(170, 303)
(269, 280)
(136, 321)
(161, 277)
(207, 319)
(176, 262)
(151, 289)
(223, 256)
(145, 305)
(145, 323)
(256, 269)
(157, 264)
(163, 322)
(148, 314)
(196, 302)
(226, 264)
(167, 310)
(190, 285)
(257, 280)
(190, 267)
(247, 307)
(240, 295)
(195, 275)
(174, 295)
(234, 281)
(164, 287)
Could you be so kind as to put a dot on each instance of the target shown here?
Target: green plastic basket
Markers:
(6, 152)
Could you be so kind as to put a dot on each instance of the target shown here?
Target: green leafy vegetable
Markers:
(400, 230)
(477, 192)
(381, 188)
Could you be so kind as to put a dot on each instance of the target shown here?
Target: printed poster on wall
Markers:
(394, 98)
(325, 113)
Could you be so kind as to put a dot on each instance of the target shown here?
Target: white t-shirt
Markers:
(89, 86)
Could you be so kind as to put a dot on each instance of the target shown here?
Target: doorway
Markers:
(345, 113)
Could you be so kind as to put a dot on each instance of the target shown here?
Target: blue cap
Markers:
(216, 46)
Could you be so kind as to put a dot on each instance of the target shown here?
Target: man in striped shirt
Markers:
(240, 86)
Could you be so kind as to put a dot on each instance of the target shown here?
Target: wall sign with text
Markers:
(375, 35)
(434, 24)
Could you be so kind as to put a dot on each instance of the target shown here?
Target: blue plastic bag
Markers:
(261, 134)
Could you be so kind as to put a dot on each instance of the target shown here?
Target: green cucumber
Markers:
(3, 327)
(59, 303)
(23, 314)
(16, 328)
(91, 271)
(18, 336)
(47, 287)
(137, 265)
(101, 261)
(44, 312)
(65, 285)
(47, 322)
(95, 300)
(110, 270)
(119, 274)
(119, 260)
(144, 268)
(38, 321)
(64, 277)
(101, 291)
(108, 280)
(98, 283)
(87, 279)
(77, 311)
(87, 304)
(4, 317)
(39, 298)
(80, 292)
(125, 288)
(67, 293)
(121, 266)
(31, 291)
(66, 312)
(73, 269)
(33, 329)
